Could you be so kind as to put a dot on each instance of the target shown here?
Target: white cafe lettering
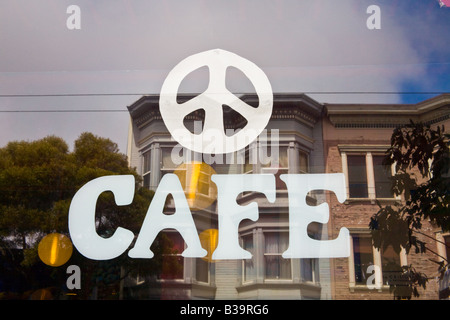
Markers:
(82, 225)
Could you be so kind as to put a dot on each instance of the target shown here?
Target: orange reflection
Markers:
(195, 178)
(55, 249)
(41, 294)
(208, 239)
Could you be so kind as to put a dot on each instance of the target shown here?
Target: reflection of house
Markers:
(355, 138)
(309, 137)
(296, 121)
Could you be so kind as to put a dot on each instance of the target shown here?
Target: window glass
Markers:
(172, 261)
(202, 270)
(391, 265)
(447, 246)
(303, 161)
(167, 160)
(133, 131)
(357, 176)
(383, 184)
(249, 264)
(278, 167)
(307, 269)
(146, 169)
(276, 267)
(363, 257)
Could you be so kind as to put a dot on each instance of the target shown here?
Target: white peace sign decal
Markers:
(213, 140)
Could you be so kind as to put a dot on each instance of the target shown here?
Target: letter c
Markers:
(82, 218)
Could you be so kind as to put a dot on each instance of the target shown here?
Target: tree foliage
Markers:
(421, 158)
(38, 179)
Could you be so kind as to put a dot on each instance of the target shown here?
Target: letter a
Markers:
(73, 22)
(74, 281)
(156, 220)
(374, 21)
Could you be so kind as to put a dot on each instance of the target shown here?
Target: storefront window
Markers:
(224, 150)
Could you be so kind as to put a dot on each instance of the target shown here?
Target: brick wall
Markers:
(357, 215)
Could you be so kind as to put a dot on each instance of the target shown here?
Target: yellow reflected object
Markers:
(41, 294)
(55, 249)
(208, 239)
(195, 178)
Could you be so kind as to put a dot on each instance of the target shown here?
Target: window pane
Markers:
(172, 267)
(249, 265)
(447, 246)
(303, 161)
(146, 181)
(276, 267)
(307, 269)
(391, 267)
(167, 162)
(202, 270)
(276, 242)
(382, 175)
(363, 257)
(172, 262)
(282, 160)
(146, 161)
(357, 176)
(176, 242)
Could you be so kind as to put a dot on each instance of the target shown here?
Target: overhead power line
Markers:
(143, 94)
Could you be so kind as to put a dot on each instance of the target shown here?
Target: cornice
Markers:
(288, 106)
(429, 111)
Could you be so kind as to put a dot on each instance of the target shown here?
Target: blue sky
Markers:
(126, 48)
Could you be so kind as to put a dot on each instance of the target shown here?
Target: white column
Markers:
(378, 269)
(440, 244)
(155, 166)
(351, 265)
(370, 176)
(345, 171)
(258, 243)
(293, 160)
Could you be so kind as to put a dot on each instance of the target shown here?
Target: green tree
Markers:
(421, 158)
(38, 179)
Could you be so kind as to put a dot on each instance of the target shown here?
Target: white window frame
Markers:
(254, 258)
(208, 282)
(377, 261)
(368, 151)
(440, 243)
(183, 278)
(265, 254)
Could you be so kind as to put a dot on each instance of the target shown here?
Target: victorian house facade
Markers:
(302, 136)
